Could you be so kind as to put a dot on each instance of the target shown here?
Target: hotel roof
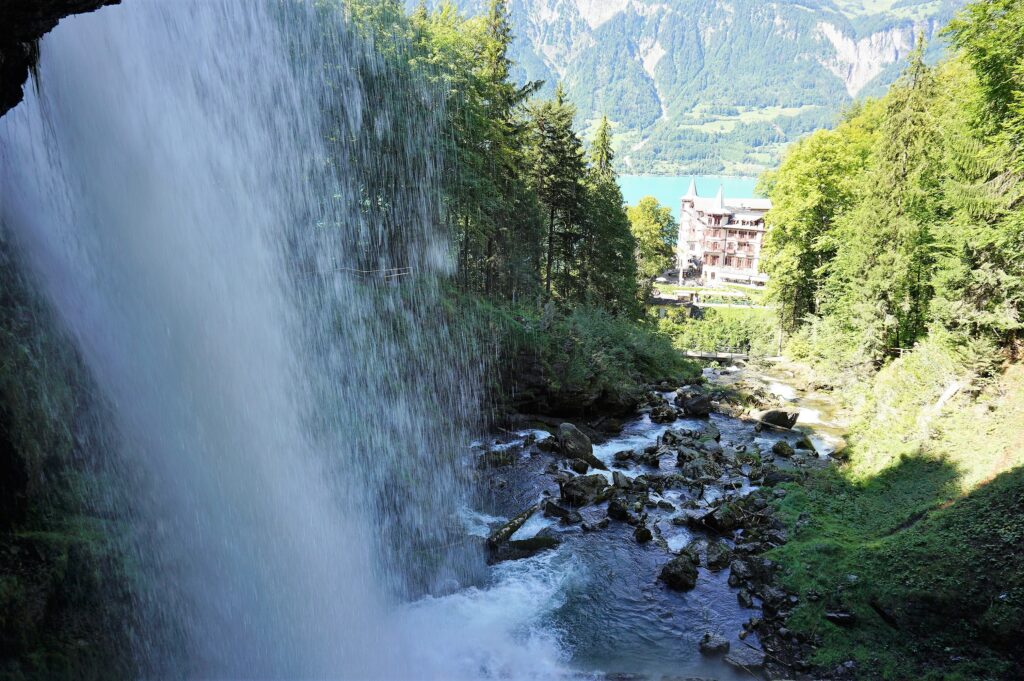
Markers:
(719, 205)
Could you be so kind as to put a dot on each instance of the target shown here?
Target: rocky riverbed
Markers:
(657, 527)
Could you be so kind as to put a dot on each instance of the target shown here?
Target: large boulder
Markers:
(725, 518)
(567, 516)
(575, 444)
(779, 418)
(584, 490)
(686, 454)
(642, 534)
(679, 574)
(698, 405)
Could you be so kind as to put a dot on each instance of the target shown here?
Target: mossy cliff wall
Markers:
(64, 600)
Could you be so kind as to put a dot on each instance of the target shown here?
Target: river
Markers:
(595, 600)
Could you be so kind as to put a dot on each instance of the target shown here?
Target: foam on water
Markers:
(500, 632)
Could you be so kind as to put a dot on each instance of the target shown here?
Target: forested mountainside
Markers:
(715, 85)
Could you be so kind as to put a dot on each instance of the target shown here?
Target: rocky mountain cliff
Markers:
(717, 85)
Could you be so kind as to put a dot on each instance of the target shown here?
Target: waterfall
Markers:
(233, 209)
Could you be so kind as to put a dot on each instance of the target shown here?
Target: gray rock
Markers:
(584, 490)
(673, 437)
(747, 658)
(579, 466)
(624, 455)
(642, 534)
(574, 441)
(713, 644)
(701, 469)
(663, 414)
(617, 511)
(691, 517)
(567, 516)
(711, 447)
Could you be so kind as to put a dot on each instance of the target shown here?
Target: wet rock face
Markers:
(22, 24)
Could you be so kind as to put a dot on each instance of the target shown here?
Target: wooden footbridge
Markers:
(726, 354)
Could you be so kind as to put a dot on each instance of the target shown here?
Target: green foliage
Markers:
(816, 182)
(533, 217)
(905, 220)
(988, 34)
(566, 360)
(754, 331)
(655, 231)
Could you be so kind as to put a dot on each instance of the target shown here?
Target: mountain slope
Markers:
(716, 85)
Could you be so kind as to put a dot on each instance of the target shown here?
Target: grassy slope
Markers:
(928, 537)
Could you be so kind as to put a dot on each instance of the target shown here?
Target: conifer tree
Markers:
(557, 174)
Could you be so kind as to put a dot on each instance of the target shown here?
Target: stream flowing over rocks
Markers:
(650, 536)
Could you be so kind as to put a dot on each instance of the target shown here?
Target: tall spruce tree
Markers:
(557, 177)
(607, 267)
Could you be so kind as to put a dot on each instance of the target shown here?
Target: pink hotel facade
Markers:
(722, 237)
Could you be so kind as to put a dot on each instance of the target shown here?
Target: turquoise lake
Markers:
(669, 189)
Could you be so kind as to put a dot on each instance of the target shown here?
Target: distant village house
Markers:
(720, 239)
